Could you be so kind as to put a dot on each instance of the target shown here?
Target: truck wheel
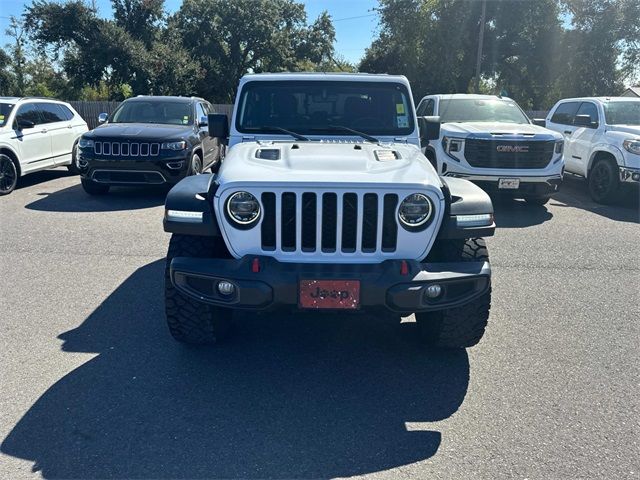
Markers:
(73, 168)
(538, 200)
(604, 181)
(195, 167)
(463, 326)
(8, 175)
(190, 321)
(93, 188)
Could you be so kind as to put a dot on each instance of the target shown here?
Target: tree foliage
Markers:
(535, 51)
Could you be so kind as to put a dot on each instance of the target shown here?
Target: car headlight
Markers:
(243, 208)
(632, 145)
(452, 145)
(559, 146)
(85, 143)
(415, 211)
(174, 145)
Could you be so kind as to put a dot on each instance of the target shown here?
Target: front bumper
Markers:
(167, 168)
(529, 185)
(382, 285)
(629, 175)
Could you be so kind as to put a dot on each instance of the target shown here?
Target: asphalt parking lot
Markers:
(93, 386)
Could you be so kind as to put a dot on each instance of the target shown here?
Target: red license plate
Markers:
(338, 294)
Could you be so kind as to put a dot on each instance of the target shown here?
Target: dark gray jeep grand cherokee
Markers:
(148, 141)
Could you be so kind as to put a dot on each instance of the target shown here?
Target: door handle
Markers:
(69, 126)
(44, 130)
(568, 132)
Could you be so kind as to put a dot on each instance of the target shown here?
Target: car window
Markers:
(67, 113)
(51, 113)
(162, 112)
(28, 112)
(622, 113)
(5, 111)
(565, 113)
(200, 112)
(425, 108)
(481, 110)
(588, 108)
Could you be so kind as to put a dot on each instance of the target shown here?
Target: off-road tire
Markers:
(604, 181)
(190, 321)
(463, 326)
(538, 200)
(93, 188)
(8, 175)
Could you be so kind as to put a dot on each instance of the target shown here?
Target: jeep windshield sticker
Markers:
(185, 120)
(403, 121)
(400, 109)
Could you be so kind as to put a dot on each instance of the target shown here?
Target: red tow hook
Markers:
(404, 268)
(255, 265)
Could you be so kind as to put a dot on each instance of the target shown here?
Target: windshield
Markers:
(5, 110)
(325, 108)
(169, 113)
(622, 113)
(480, 110)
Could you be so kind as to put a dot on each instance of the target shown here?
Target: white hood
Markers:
(327, 163)
(634, 129)
(464, 129)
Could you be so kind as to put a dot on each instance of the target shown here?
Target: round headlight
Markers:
(415, 210)
(243, 208)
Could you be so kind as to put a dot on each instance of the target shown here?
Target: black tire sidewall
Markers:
(612, 190)
(6, 158)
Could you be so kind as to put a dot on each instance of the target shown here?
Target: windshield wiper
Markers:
(356, 132)
(266, 128)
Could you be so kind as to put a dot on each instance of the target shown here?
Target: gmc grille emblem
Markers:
(513, 148)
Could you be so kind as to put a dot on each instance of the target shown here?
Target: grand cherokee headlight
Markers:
(85, 143)
(632, 146)
(243, 208)
(415, 211)
(174, 145)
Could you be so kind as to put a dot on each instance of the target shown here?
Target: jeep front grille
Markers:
(329, 222)
(483, 153)
(126, 149)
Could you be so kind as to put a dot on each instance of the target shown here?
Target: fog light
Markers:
(636, 176)
(226, 288)
(433, 291)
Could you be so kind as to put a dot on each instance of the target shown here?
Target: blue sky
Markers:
(353, 35)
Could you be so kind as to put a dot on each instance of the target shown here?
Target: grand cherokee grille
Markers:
(126, 149)
(329, 222)
(508, 154)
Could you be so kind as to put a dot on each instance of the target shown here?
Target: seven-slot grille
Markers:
(487, 153)
(126, 149)
(329, 222)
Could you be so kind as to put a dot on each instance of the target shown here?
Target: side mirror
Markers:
(541, 122)
(429, 128)
(22, 124)
(203, 122)
(584, 121)
(218, 125)
(103, 117)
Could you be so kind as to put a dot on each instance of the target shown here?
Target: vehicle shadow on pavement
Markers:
(574, 193)
(75, 199)
(41, 177)
(511, 213)
(313, 396)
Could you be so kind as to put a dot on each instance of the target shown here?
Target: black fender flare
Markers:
(464, 198)
(192, 194)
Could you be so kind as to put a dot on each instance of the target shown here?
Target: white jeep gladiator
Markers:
(602, 141)
(490, 141)
(324, 201)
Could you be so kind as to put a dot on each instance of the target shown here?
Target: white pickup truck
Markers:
(602, 141)
(489, 140)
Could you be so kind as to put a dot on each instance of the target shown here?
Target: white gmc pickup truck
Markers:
(489, 140)
(602, 141)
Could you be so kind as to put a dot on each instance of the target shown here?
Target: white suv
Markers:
(36, 134)
(489, 140)
(602, 141)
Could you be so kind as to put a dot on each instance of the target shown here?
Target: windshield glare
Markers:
(480, 110)
(622, 113)
(5, 110)
(319, 107)
(169, 113)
